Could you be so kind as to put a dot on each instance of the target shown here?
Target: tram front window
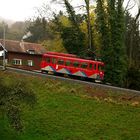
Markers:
(100, 67)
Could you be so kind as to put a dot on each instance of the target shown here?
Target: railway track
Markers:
(38, 73)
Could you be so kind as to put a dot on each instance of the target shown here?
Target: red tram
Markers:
(72, 65)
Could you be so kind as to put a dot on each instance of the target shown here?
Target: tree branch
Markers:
(137, 16)
(127, 5)
(131, 7)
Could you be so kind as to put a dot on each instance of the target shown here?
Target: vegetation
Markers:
(69, 111)
(35, 108)
(13, 32)
(39, 30)
(105, 31)
(132, 43)
(12, 95)
(73, 37)
(111, 28)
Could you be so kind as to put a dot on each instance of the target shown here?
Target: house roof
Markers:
(3, 48)
(23, 47)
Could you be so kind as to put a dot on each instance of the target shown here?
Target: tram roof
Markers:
(73, 58)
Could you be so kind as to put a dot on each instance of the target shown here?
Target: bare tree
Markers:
(138, 14)
(136, 21)
(129, 6)
(43, 12)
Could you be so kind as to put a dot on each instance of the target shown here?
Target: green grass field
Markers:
(68, 111)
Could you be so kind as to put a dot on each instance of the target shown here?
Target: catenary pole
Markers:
(4, 47)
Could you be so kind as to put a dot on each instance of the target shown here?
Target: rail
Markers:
(38, 73)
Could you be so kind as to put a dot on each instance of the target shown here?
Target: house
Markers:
(23, 55)
(2, 55)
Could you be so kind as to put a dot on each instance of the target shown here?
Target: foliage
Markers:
(132, 41)
(54, 45)
(11, 97)
(89, 27)
(64, 20)
(112, 31)
(73, 37)
(133, 78)
(39, 30)
(71, 14)
(2, 26)
(102, 27)
(17, 30)
(73, 40)
(13, 32)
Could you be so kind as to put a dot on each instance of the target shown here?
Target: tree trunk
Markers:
(88, 24)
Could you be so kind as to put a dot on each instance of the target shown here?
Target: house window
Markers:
(31, 51)
(30, 62)
(17, 61)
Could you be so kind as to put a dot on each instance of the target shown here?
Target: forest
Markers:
(100, 30)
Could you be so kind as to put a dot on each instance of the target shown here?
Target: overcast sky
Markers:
(20, 10)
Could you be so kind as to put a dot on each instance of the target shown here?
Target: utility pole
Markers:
(4, 65)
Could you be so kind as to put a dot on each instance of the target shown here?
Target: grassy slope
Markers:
(66, 111)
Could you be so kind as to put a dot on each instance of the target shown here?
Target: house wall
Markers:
(24, 57)
(1, 60)
(1, 57)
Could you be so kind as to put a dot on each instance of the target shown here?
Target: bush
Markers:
(133, 79)
(11, 97)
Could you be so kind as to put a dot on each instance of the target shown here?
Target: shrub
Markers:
(11, 97)
(133, 79)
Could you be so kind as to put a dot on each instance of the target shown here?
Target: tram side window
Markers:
(60, 62)
(90, 66)
(48, 59)
(95, 66)
(76, 64)
(54, 60)
(68, 63)
(84, 65)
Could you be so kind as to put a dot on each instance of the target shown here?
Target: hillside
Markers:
(69, 111)
(7, 21)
